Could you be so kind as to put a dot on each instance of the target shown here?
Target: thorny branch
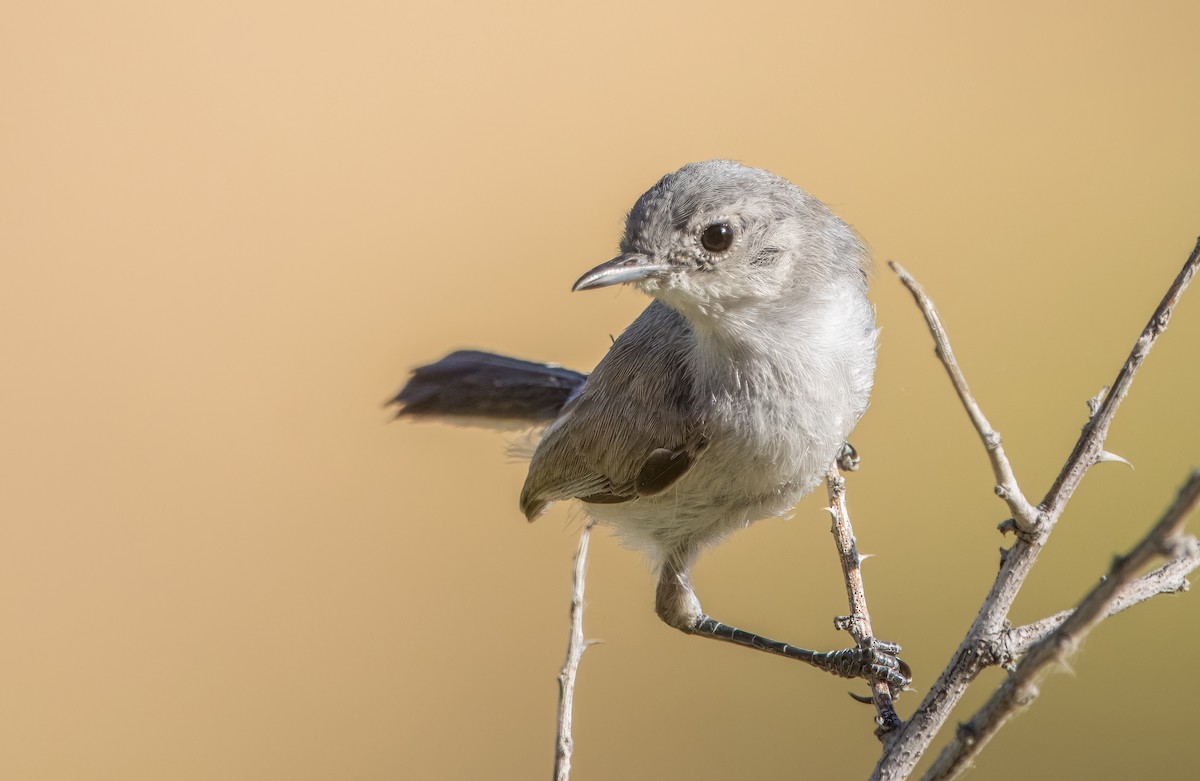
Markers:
(1164, 540)
(1170, 578)
(565, 744)
(904, 750)
(1089, 449)
(858, 623)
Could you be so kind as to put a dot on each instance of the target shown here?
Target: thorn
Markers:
(864, 556)
(832, 512)
(1095, 402)
(1107, 456)
(1026, 696)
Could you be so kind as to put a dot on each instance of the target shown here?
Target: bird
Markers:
(724, 402)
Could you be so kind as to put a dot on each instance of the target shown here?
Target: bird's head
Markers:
(716, 236)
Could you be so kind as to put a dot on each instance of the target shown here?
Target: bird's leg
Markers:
(677, 605)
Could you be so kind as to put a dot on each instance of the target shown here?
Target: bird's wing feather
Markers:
(606, 447)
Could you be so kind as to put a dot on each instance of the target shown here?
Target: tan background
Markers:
(228, 231)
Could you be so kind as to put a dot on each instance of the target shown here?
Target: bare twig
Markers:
(902, 753)
(1089, 449)
(1024, 514)
(1165, 539)
(1171, 578)
(858, 623)
(565, 744)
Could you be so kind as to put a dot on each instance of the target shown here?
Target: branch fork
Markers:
(991, 639)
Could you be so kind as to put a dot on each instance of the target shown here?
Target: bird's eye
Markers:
(717, 237)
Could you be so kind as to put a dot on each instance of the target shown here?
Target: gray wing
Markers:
(632, 431)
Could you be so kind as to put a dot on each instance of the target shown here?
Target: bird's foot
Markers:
(874, 660)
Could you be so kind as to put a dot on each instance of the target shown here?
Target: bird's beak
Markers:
(628, 267)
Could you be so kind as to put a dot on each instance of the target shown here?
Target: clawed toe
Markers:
(891, 649)
(887, 666)
(877, 660)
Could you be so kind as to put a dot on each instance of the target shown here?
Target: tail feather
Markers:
(485, 388)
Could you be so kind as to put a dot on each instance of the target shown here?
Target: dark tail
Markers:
(488, 389)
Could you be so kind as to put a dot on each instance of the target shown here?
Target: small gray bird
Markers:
(725, 401)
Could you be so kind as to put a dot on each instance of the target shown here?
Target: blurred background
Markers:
(228, 231)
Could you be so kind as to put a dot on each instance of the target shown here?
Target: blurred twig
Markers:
(565, 744)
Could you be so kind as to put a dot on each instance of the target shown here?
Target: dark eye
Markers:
(717, 237)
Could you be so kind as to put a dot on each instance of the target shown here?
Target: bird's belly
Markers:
(738, 480)
(771, 439)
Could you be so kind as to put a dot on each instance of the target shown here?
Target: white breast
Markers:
(777, 407)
